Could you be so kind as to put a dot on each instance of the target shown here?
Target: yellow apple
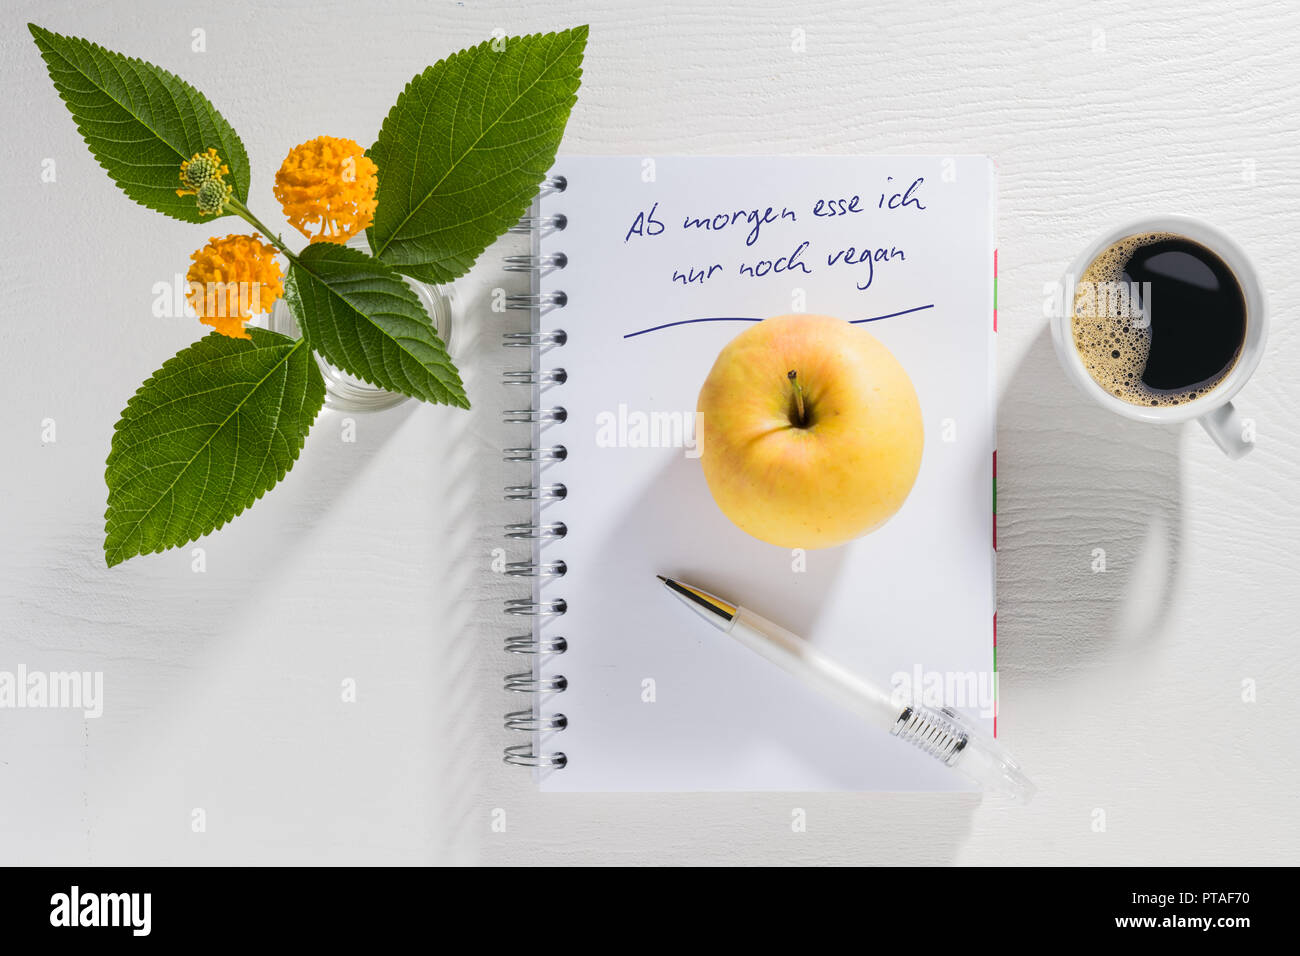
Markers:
(811, 431)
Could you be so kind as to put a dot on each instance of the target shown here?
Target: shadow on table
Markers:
(158, 596)
(1089, 525)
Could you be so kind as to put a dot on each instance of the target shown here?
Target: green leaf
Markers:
(140, 121)
(362, 317)
(463, 150)
(205, 437)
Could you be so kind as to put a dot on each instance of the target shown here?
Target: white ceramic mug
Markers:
(1214, 409)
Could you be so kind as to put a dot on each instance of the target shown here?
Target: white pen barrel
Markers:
(792, 653)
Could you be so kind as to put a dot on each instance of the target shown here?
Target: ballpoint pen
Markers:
(940, 732)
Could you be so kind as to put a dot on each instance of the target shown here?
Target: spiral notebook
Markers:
(641, 270)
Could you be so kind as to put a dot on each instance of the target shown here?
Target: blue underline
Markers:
(744, 318)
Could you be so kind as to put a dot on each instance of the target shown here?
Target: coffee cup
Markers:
(1169, 296)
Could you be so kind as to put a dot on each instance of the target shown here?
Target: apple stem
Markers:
(798, 398)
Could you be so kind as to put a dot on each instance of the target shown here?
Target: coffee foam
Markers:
(1115, 347)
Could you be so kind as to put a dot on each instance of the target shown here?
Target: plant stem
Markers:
(240, 210)
(798, 398)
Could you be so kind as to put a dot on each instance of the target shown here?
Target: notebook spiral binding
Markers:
(536, 646)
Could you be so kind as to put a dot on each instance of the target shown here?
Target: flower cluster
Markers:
(202, 175)
(327, 187)
(231, 280)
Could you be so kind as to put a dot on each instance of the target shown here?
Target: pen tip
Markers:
(662, 578)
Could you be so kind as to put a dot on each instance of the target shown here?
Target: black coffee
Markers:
(1158, 319)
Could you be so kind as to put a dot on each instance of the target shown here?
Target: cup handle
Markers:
(1224, 425)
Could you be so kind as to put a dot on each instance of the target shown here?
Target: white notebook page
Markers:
(656, 700)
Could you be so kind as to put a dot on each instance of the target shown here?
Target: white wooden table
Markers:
(1121, 692)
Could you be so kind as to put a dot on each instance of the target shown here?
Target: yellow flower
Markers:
(327, 188)
(233, 279)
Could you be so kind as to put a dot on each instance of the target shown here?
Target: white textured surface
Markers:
(1121, 692)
